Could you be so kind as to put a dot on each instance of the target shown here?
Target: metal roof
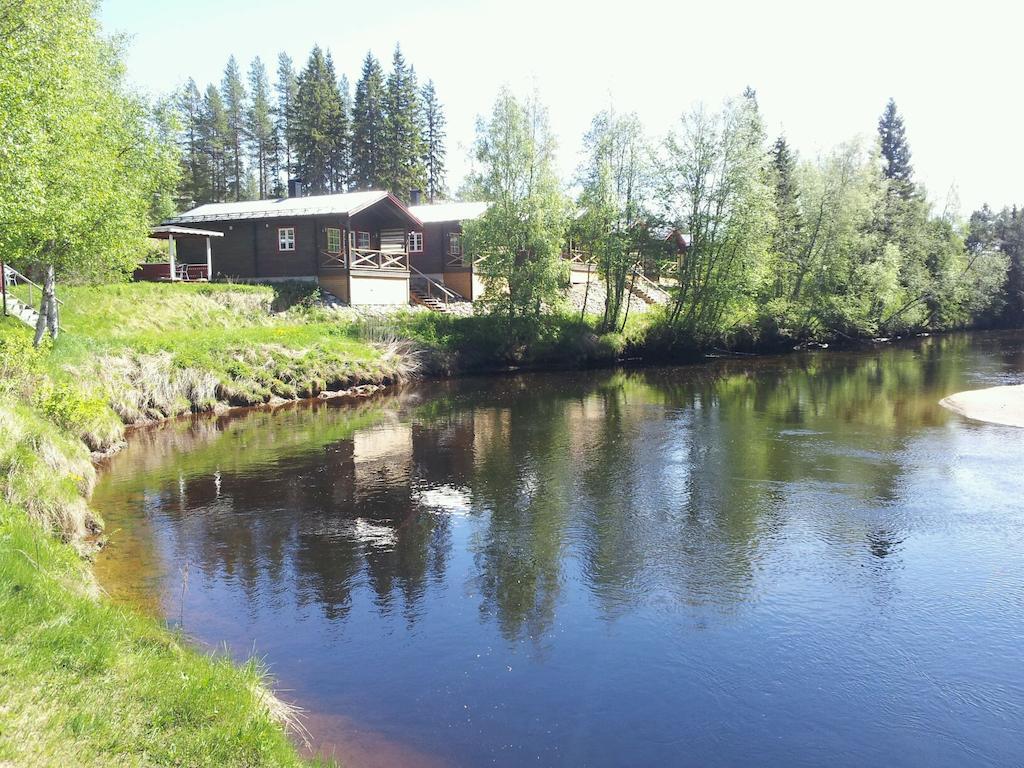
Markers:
(448, 211)
(348, 203)
(162, 233)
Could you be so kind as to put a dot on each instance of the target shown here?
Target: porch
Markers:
(171, 270)
(367, 267)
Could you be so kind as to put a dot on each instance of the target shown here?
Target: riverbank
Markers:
(139, 353)
(82, 681)
(994, 405)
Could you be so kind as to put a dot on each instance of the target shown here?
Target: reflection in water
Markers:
(786, 561)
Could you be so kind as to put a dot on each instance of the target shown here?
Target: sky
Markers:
(823, 71)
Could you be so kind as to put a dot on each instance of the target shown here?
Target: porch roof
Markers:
(165, 232)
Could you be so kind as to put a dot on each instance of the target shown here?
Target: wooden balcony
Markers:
(366, 259)
(577, 257)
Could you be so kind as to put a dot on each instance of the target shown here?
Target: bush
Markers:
(83, 413)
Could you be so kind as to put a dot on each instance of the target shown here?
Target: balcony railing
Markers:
(574, 256)
(387, 261)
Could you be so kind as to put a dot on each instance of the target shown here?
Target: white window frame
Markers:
(415, 242)
(285, 239)
(361, 238)
(455, 244)
(333, 232)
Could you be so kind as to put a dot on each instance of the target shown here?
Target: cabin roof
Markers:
(349, 203)
(436, 212)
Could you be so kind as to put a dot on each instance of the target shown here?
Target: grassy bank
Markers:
(84, 682)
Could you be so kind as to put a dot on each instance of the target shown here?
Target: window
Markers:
(333, 240)
(415, 242)
(362, 239)
(286, 239)
(455, 244)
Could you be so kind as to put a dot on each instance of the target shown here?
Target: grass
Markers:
(82, 681)
(151, 351)
(86, 683)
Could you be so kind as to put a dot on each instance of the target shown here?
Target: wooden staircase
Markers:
(647, 290)
(429, 293)
(22, 311)
(430, 302)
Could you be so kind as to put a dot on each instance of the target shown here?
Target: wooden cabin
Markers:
(437, 252)
(354, 244)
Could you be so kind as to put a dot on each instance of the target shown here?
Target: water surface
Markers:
(779, 561)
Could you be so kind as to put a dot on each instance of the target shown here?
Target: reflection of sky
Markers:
(559, 577)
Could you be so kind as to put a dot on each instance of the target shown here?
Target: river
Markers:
(788, 561)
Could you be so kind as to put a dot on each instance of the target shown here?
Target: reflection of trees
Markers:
(660, 482)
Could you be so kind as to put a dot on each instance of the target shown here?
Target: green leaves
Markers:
(518, 241)
(83, 158)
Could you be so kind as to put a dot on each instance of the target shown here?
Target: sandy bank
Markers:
(996, 405)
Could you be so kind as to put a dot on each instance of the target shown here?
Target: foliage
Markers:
(403, 145)
(715, 187)
(613, 227)
(434, 143)
(70, 127)
(234, 98)
(518, 241)
(260, 129)
(895, 150)
(320, 130)
(368, 126)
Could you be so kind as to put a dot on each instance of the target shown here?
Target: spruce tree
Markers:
(403, 141)
(194, 188)
(214, 140)
(368, 126)
(786, 237)
(340, 136)
(285, 89)
(315, 122)
(895, 151)
(434, 143)
(233, 95)
(260, 129)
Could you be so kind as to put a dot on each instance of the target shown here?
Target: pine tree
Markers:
(260, 128)
(368, 126)
(895, 151)
(434, 143)
(402, 139)
(233, 95)
(194, 188)
(286, 89)
(316, 122)
(214, 140)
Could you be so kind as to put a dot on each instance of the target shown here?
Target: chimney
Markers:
(295, 188)
(414, 196)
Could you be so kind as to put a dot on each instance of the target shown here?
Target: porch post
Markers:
(170, 254)
(209, 260)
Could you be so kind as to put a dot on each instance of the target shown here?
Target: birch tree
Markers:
(518, 241)
(81, 160)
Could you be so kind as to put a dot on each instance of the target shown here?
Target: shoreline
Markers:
(1002, 405)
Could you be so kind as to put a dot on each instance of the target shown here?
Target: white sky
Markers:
(823, 71)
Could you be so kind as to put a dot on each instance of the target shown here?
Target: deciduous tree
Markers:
(519, 239)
